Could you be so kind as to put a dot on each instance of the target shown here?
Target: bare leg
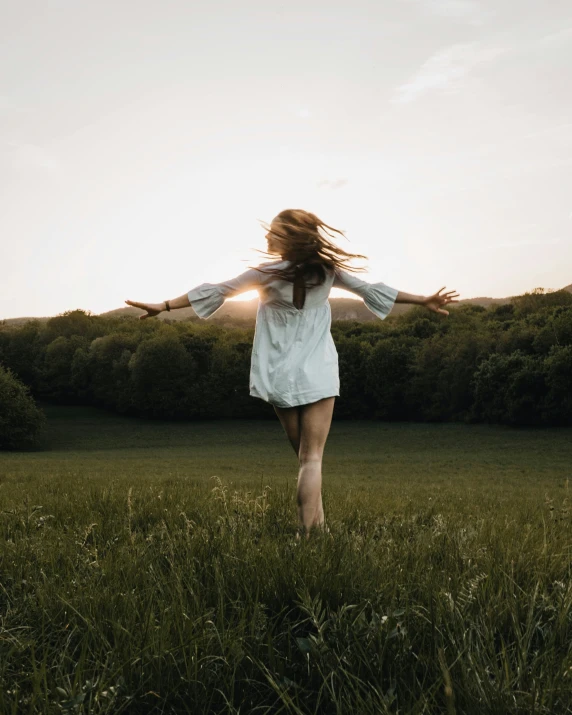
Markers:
(307, 428)
(290, 420)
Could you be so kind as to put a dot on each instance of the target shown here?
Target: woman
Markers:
(294, 363)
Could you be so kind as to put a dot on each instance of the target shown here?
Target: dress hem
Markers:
(301, 400)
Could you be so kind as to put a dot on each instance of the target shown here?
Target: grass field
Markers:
(152, 568)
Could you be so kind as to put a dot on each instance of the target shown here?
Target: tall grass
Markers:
(128, 590)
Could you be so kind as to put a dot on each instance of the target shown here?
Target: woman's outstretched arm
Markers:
(433, 302)
(154, 309)
(379, 297)
(409, 298)
(206, 298)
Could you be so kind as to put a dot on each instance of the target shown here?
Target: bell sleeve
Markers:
(378, 297)
(207, 298)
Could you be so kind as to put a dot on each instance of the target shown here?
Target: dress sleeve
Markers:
(378, 297)
(208, 297)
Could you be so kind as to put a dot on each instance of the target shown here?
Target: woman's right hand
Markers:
(152, 309)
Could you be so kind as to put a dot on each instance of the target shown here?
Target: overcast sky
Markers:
(141, 141)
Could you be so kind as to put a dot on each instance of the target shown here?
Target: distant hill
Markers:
(245, 311)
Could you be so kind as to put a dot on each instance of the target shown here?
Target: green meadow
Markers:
(152, 567)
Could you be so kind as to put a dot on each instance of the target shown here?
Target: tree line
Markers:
(509, 364)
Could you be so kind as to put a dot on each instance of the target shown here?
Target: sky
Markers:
(142, 142)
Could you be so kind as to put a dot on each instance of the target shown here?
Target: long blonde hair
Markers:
(305, 244)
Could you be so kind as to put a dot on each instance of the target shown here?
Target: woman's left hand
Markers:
(435, 301)
(152, 309)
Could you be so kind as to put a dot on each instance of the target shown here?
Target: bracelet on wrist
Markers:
(167, 306)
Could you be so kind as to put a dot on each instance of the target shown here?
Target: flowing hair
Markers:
(305, 243)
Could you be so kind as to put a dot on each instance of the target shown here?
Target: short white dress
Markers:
(294, 359)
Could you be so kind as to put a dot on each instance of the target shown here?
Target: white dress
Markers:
(294, 359)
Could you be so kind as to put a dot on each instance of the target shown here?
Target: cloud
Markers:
(298, 109)
(332, 184)
(303, 113)
(447, 70)
(560, 37)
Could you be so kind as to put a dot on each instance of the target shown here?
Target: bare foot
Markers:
(317, 527)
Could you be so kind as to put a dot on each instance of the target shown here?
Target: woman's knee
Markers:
(309, 456)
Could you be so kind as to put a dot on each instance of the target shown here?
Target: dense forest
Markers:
(508, 364)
